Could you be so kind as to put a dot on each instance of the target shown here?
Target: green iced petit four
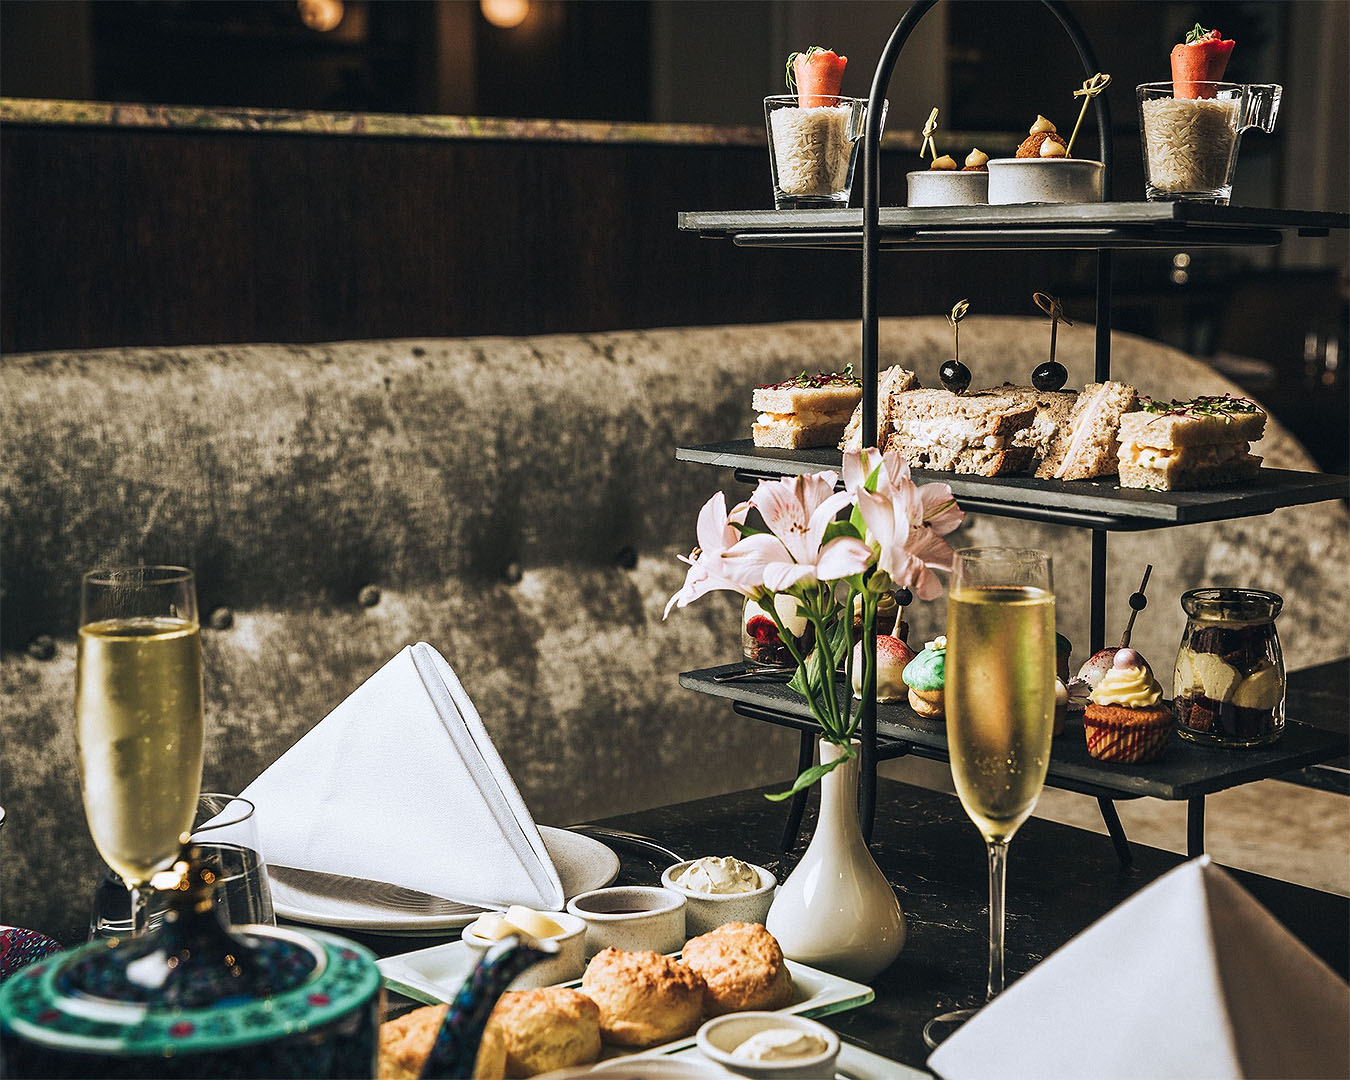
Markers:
(928, 670)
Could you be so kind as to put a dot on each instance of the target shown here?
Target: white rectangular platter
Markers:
(433, 975)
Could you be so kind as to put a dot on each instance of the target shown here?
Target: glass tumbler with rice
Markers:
(1190, 144)
(813, 151)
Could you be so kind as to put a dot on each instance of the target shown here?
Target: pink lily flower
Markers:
(797, 511)
(717, 533)
(905, 521)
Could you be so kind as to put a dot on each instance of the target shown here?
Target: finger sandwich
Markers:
(964, 433)
(810, 410)
(894, 380)
(1182, 445)
(1086, 443)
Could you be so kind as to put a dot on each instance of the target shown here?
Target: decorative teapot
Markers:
(193, 998)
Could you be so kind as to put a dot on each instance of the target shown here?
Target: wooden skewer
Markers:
(1138, 601)
(1089, 90)
(928, 129)
(1052, 307)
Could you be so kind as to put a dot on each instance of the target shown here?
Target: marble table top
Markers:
(1060, 880)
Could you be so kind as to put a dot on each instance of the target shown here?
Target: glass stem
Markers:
(137, 893)
(998, 863)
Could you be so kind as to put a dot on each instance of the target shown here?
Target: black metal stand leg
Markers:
(1195, 826)
(806, 754)
(1116, 829)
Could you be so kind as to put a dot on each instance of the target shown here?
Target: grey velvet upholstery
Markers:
(517, 504)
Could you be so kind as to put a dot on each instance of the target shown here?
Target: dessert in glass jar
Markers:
(1229, 679)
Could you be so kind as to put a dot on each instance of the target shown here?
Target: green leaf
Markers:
(807, 778)
(841, 528)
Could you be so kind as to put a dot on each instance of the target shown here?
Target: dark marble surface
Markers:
(1060, 880)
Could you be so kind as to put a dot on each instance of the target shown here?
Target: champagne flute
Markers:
(1000, 712)
(138, 718)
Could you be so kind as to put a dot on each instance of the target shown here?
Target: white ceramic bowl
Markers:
(1045, 180)
(632, 917)
(718, 1038)
(704, 912)
(566, 965)
(944, 187)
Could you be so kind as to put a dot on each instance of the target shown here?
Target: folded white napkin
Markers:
(401, 784)
(1191, 977)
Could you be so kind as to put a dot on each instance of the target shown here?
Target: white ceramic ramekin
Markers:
(567, 964)
(717, 1039)
(1045, 180)
(631, 917)
(945, 187)
(704, 912)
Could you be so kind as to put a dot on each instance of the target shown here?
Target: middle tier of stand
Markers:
(1094, 504)
(1186, 770)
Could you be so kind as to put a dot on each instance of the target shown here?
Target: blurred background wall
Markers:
(187, 234)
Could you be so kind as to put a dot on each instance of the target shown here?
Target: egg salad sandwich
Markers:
(810, 410)
(1182, 445)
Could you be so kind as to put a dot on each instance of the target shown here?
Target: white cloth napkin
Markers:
(1190, 978)
(401, 784)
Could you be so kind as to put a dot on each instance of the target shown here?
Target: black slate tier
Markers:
(1184, 770)
(1091, 226)
(1097, 504)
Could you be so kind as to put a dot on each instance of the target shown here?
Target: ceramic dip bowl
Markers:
(568, 963)
(945, 187)
(706, 911)
(633, 917)
(1045, 180)
(719, 1038)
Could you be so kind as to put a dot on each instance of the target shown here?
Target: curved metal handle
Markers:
(872, 179)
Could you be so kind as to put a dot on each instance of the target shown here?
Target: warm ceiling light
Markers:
(505, 13)
(321, 15)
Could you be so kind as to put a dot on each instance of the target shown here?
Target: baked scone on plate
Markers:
(644, 997)
(406, 1041)
(547, 1028)
(742, 966)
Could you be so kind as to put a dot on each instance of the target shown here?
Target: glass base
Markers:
(810, 202)
(938, 1028)
(1213, 198)
(1231, 742)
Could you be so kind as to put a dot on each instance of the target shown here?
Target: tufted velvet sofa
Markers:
(513, 501)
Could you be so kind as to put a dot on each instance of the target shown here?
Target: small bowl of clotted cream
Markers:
(720, 889)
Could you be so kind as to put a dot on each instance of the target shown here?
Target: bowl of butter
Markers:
(566, 931)
(720, 889)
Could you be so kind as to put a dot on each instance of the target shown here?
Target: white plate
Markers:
(434, 975)
(358, 904)
(854, 1063)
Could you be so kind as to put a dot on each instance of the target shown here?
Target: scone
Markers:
(645, 998)
(550, 1027)
(742, 966)
(406, 1041)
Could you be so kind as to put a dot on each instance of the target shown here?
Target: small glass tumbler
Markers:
(1190, 143)
(813, 152)
(1228, 685)
(226, 832)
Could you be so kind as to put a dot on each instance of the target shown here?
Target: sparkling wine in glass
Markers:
(138, 718)
(1000, 711)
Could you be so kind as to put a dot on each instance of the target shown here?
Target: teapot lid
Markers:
(189, 985)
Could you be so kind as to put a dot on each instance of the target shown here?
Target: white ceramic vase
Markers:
(836, 910)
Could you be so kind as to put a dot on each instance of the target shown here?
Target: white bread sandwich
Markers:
(810, 410)
(894, 380)
(1183, 445)
(1087, 443)
(962, 433)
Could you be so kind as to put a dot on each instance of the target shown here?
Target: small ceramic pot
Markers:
(718, 1039)
(704, 912)
(944, 187)
(1045, 180)
(634, 917)
(567, 964)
